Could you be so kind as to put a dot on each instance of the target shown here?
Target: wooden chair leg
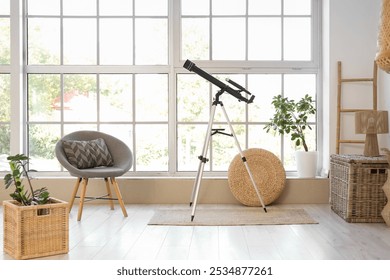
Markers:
(82, 196)
(119, 195)
(109, 193)
(75, 190)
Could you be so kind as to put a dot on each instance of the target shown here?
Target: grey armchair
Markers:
(71, 154)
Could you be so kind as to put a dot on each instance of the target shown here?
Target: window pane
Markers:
(5, 42)
(42, 142)
(195, 38)
(264, 87)
(43, 7)
(44, 97)
(198, 7)
(224, 148)
(5, 118)
(151, 7)
(229, 7)
(115, 49)
(297, 7)
(5, 7)
(123, 132)
(80, 41)
(297, 86)
(5, 141)
(189, 147)
(193, 98)
(80, 103)
(43, 41)
(115, 7)
(259, 138)
(258, 47)
(151, 147)
(116, 97)
(151, 93)
(79, 8)
(264, 7)
(151, 41)
(223, 32)
(5, 98)
(297, 39)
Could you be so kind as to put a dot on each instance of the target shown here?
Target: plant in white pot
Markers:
(291, 118)
(35, 224)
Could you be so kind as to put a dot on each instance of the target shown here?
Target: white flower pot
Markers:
(306, 163)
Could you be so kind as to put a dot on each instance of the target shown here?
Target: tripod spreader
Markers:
(220, 131)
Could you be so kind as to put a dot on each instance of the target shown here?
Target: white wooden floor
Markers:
(104, 234)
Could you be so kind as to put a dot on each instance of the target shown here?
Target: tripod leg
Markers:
(203, 160)
(243, 159)
(196, 181)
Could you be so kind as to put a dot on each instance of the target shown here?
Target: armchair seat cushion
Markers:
(99, 172)
(87, 154)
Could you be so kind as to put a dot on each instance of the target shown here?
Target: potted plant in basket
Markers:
(18, 164)
(35, 224)
(291, 118)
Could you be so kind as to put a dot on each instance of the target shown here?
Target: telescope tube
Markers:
(189, 65)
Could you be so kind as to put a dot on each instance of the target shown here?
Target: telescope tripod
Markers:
(203, 159)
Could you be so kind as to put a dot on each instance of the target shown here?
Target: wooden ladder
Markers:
(341, 110)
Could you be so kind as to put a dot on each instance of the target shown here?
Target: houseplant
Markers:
(35, 224)
(291, 118)
(18, 171)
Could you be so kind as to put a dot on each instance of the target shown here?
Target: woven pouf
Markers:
(383, 56)
(268, 174)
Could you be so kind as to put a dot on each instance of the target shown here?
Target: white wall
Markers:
(350, 32)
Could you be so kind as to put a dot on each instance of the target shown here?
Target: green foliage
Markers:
(5, 139)
(42, 141)
(291, 117)
(5, 97)
(18, 172)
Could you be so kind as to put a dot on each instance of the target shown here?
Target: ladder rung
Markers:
(352, 141)
(353, 110)
(357, 80)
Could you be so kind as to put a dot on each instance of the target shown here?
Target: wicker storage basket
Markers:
(36, 231)
(356, 187)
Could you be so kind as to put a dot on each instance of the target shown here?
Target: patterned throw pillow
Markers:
(87, 154)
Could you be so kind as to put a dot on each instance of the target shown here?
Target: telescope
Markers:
(189, 65)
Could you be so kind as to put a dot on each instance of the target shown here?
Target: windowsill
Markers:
(64, 175)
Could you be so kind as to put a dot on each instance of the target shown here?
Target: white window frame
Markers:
(19, 71)
(262, 67)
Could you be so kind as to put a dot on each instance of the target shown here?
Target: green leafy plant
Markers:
(291, 117)
(18, 167)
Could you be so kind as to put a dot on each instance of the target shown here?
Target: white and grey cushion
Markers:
(87, 154)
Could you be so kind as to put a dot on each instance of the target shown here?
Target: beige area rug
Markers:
(232, 217)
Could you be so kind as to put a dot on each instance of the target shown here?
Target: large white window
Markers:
(117, 66)
(95, 65)
(270, 47)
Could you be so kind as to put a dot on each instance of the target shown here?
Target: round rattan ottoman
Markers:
(268, 174)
